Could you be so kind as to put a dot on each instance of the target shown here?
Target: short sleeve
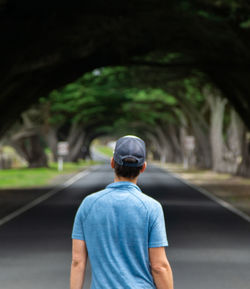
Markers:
(78, 230)
(157, 231)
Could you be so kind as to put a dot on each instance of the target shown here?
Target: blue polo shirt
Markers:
(119, 224)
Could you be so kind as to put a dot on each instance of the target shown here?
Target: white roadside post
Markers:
(189, 147)
(62, 151)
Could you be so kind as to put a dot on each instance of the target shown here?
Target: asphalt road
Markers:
(209, 245)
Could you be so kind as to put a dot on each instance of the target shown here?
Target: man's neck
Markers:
(122, 179)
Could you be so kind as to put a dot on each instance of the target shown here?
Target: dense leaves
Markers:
(109, 95)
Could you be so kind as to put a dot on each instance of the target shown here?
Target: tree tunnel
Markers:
(45, 46)
(116, 101)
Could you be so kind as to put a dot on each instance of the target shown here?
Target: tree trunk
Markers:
(154, 145)
(30, 148)
(174, 138)
(244, 167)
(76, 141)
(37, 157)
(86, 153)
(52, 140)
(167, 152)
(200, 129)
(235, 135)
(203, 147)
(217, 107)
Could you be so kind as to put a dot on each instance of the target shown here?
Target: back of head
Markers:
(129, 156)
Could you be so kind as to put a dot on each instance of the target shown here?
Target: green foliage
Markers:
(210, 16)
(87, 100)
(115, 99)
(105, 150)
(193, 91)
(219, 10)
(245, 24)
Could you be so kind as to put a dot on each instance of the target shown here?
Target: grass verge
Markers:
(105, 150)
(26, 177)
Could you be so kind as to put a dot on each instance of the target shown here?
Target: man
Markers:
(122, 230)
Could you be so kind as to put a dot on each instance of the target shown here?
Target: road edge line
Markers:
(212, 197)
(46, 196)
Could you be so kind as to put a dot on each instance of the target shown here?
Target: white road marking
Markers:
(214, 198)
(46, 196)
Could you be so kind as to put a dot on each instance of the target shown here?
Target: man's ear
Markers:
(144, 167)
(112, 163)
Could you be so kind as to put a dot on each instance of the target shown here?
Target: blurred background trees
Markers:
(174, 72)
(163, 110)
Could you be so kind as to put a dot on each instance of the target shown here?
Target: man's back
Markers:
(119, 224)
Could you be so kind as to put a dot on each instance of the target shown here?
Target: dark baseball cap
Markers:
(132, 147)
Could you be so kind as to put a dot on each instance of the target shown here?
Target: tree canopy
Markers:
(107, 96)
(46, 45)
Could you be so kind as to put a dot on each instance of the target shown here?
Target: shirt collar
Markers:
(123, 185)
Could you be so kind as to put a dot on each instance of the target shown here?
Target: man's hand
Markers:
(160, 268)
(78, 266)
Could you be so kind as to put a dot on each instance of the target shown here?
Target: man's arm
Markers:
(78, 266)
(160, 268)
